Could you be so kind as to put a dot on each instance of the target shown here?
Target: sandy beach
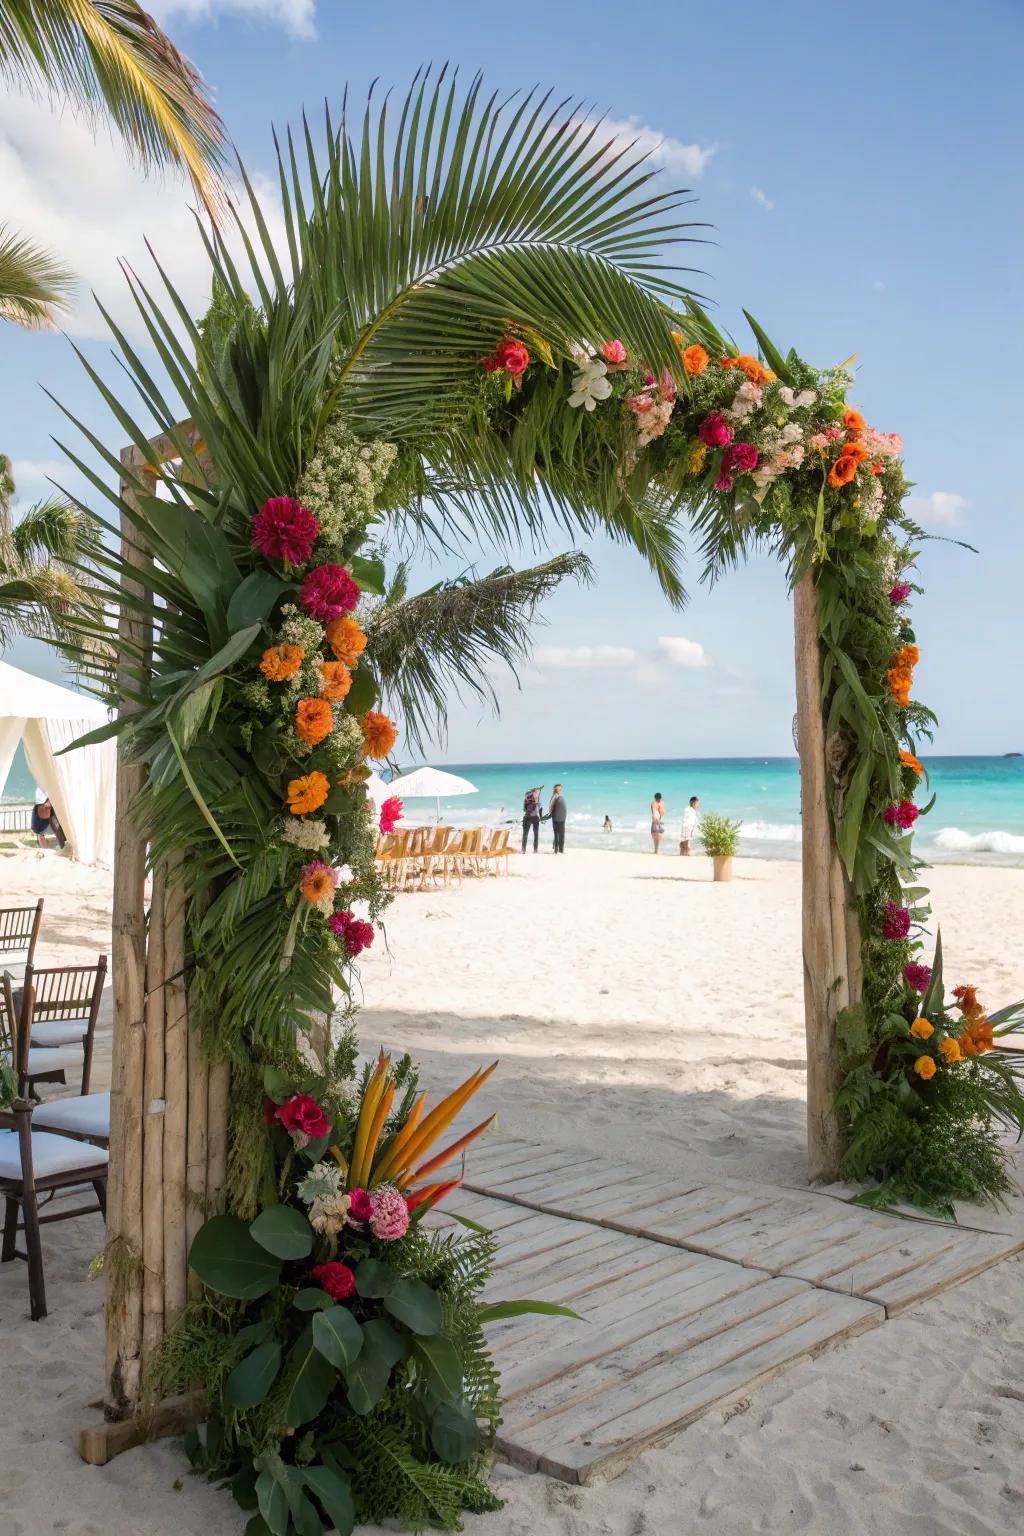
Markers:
(641, 1012)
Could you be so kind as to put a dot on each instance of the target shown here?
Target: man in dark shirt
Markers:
(557, 813)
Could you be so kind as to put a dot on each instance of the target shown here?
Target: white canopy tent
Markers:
(47, 718)
(430, 784)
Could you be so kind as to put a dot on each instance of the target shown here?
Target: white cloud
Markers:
(579, 658)
(672, 154)
(33, 477)
(296, 16)
(762, 198)
(942, 509)
(78, 195)
(682, 652)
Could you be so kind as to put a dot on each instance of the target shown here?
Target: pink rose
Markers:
(613, 352)
(739, 457)
(391, 813)
(360, 1205)
(714, 431)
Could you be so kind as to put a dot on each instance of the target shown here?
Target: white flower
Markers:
(590, 385)
(329, 1216)
(792, 433)
(747, 399)
(305, 834)
(320, 1183)
(796, 399)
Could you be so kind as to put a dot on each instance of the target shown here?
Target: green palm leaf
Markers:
(34, 288)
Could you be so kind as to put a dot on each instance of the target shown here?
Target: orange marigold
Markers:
(754, 370)
(314, 719)
(695, 359)
(855, 451)
(925, 1067)
(337, 680)
(843, 470)
(281, 662)
(346, 641)
(910, 761)
(379, 733)
(854, 422)
(921, 1029)
(318, 883)
(308, 793)
(950, 1050)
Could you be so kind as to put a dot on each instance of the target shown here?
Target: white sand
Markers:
(637, 1009)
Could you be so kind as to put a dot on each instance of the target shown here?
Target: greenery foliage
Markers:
(719, 836)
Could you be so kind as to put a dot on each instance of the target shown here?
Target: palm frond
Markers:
(34, 288)
(450, 636)
(112, 58)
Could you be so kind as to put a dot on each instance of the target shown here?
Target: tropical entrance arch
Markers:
(468, 323)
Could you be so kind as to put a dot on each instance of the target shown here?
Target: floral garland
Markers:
(778, 453)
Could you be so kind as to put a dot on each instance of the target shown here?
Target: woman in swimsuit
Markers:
(657, 821)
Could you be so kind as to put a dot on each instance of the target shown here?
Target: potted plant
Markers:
(719, 836)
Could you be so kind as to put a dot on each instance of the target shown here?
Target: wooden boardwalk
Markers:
(690, 1295)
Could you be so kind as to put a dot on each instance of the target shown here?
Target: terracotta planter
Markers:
(723, 866)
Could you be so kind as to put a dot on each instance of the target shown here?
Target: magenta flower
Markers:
(897, 921)
(391, 813)
(739, 457)
(360, 1206)
(917, 976)
(714, 431)
(284, 529)
(390, 1219)
(903, 815)
(899, 593)
(328, 592)
(613, 352)
(354, 934)
(724, 482)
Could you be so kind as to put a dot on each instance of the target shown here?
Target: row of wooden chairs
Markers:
(422, 856)
(48, 1017)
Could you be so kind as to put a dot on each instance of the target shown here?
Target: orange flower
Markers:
(854, 422)
(318, 881)
(843, 470)
(314, 719)
(379, 733)
(855, 451)
(977, 1037)
(921, 1029)
(925, 1067)
(281, 662)
(346, 640)
(755, 371)
(910, 761)
(308, 793)
(337, 680)
(967, 1002)
(950, 1050)
(695, 359)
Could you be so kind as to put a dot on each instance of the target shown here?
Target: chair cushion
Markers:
(50, 1154)
(59, 1032)
(84, 1114)
(55, 1060)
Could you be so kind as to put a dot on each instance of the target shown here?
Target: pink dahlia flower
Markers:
(903, 815)
(328, 592)
(714, 431)
(354, 934)
(284, 529)
(899, 593)
(390, 1219)
(917, 976)
(391, 813)
(739, 457)
(897, 921)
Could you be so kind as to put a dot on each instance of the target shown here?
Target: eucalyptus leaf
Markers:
(454, 1432)
(337, 1336)
(442, 1364)
(311, 1299)
(375, 1279)
(415, 1304)
(367, 1378)
(253, 1377)
(334, 1494)
(283, 1231)
(227, 1259)
(310, 1380)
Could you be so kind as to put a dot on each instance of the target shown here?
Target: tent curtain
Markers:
(12, 728)
(80, 785)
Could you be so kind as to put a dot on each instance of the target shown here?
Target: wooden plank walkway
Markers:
(689, 1294)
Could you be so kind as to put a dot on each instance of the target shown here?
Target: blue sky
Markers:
(861, 172)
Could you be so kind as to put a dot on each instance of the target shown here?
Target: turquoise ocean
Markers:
(978, 815)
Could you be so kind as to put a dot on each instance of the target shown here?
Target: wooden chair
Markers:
(35, 1163)
(392, 857)
(467, 854)
(19, 931)
(60, 1005)
(498, 849)
(435, 844)
(82, 1116)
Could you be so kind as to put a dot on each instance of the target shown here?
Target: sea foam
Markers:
(956, 840)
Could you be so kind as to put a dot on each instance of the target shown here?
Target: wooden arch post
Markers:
(169, 1102)
(831, 933)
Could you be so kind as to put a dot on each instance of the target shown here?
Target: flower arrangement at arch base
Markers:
(340, 1342)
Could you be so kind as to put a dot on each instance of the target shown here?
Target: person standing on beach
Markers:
(557, 815)
(531, 817)
(689, 826)
(657, 821)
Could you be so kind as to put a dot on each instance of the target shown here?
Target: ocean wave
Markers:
(955, 840)
(771, 831)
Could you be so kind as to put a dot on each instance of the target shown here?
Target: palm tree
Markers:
(45, 585)
(110, 58)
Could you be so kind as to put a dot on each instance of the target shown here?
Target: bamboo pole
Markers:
(831, 940)
(218, 1116)
(196, 1143)
(153, 1129)
(175, 1177)
(123, 1266)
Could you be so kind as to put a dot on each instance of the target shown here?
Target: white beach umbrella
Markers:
(377, 790)
(430, 784)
